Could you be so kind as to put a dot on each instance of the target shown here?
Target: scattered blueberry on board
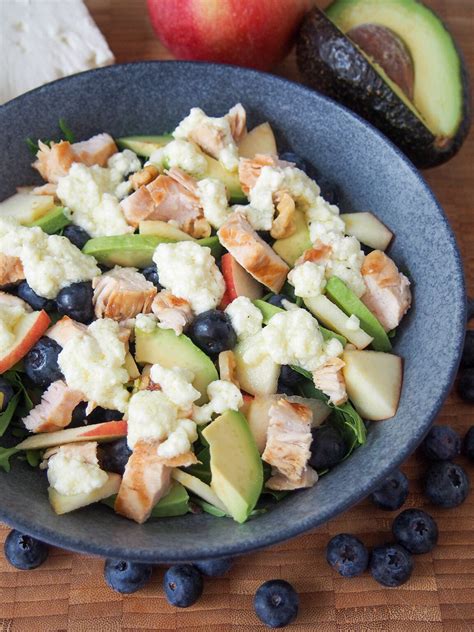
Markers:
(446, 484)
(76, 235)
(215, 568)
(347, 555)
(183, 585)
(392, 493)
(6, 393)
(276, 603)
(466, 385)
(391, 565)
(36, 302)
(467, 358)
(468, 444)
(75, 301)
(126, 577)
(212, 332)
(41, 362)
(23, 551)
(442, 443)
(416, 530)
(327, 448)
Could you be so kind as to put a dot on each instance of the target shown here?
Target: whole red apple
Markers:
(255, 33)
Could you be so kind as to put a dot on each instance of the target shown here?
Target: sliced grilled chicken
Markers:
(319, 253)
(388, 293)
(87, 452)
(228, 367)
(253, 254)
(54, 412)
(146, 479)
(95, 151)
(250, 169)
(122, 293)
(288, 439)
(65, 329)
(11, 270)
(279, 482)
(330, 380)
(173, 312)
(46, 189)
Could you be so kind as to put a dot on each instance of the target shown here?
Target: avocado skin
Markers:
(333, 64)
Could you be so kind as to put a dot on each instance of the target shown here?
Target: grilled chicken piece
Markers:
(146, 479)
(87, 452)
(95, 151)
(288, 439)
(11, 270)
(330, 380)
(253, 254)
(227, 367)
(181, 460)
(54, 412)
(173, 312)
(319, 253)
(65, 329)
(46, 189)
(279, 482)
(250, 169)
(122, 293)
(388, 293)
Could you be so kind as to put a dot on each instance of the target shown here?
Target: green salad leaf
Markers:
(66, 130)
(34, 457)
(202, 470)
(7, 415)
(5, 455)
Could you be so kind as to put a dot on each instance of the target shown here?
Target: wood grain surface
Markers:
(68, 591)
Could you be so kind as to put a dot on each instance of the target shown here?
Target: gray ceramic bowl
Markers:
(151, 98)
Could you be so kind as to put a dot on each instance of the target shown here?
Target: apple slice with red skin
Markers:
(107, 431)
(238, 282)
(27, 332)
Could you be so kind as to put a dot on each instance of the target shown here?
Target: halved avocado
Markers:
(374, 78)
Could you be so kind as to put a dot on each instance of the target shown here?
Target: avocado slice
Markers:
(290, 248)
(236, 467)
(268, 310)
(54, 221)
(163, 346)
(146, 145)
(175, 503)
(431, 128)
(136, 251)
(345, 298)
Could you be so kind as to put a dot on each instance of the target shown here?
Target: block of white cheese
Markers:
(43, 40)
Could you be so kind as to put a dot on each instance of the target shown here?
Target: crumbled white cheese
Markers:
(71, 474)
(189, 271)
(219, 134)
(213, 197)
(261, 209)
(223, 395)
(93, 362)
(332, 348)
(153, 417)
(50, 262)
(346, 261)
(323, 218)
(91, 194)
(353, 323)
(176, 384)
(181, 154)
(10, 316)
(308, 279)
(246, 319)
(146, 322)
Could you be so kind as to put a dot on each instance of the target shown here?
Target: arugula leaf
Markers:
(34, 457)
(202, 470)
(392, 333)
(7, 415)
(5, 455)
(66, 130)
(32, 146)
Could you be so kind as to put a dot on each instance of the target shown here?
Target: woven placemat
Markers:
(68, 591)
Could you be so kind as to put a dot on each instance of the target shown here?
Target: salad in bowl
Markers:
(188, 323)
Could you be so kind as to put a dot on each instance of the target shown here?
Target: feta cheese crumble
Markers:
(69, 473)
(213, 197)
(93, 362)
(176, 384)
(181, 154)
(91, 194)
(246, 319)
(223, 395)
(308, 279)
(50, 262)
(146, 322)
(10, 316)
(190, 272)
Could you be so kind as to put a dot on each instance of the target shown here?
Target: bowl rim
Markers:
(49, 536)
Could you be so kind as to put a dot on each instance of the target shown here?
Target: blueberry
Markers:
(78, 417)
(114, 456)
(329, 190)
(126, 577)
(468, 444)
(299, 163)
(289, 376)
(75, 301)
(347, 555)
(99, 415)
(6, 393)
(277, 300)
(23, 551)
(212, 332)
(391, 565)
(446, 484)
(151, 274)
(25, 292)
(470, 309)
(327, 448)
(466, 385)
(76, 235)
(41, 362)
(276, 603)
(392, 493)
(415, 530)
(214, 568)
(467, 358)
(265, 235)
(183, 585)
(442, 443)
(285, 389)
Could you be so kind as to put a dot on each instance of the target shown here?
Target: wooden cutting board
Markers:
(68, 592)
